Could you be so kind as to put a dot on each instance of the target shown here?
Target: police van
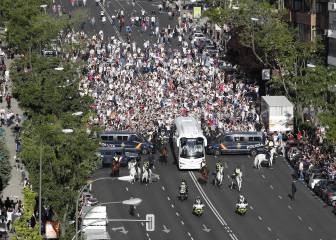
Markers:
(236, 143)
(125, 141)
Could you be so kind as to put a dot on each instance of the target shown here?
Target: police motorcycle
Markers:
(241, 205)
(183, 191)
(198, 207)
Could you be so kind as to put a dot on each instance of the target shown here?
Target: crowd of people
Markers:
(10, 210)
(142, 88)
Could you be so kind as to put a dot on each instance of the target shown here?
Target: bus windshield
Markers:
(192, 148)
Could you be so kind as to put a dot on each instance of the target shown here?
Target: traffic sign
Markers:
(150, 222)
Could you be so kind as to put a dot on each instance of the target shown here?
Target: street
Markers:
(271, 214)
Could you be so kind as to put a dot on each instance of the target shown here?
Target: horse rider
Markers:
(204, 171)
(237, 172)
(219, 166)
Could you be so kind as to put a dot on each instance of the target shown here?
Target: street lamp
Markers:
(44, 6)
(123, 178)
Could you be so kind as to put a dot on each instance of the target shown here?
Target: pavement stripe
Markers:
(269, 229)
(259, 218)
(207, 200)
(310, 228)
(300, 218)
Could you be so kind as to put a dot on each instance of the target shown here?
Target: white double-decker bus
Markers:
(189, 144)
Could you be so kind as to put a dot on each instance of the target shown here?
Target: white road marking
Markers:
(142, 224)
(147, 234)
(259, 218)
(280, 197)
(168, 198)
(263, 176)
(225, 165)
(177, 214)
(172, 206)
(138, 215)
(127, 189)
(269, 229)
(300, 218)
(310, 228)
(163, 188)
(189, 234)
(251, 207)
(271, 187)
(289, 206)
(209, 203)
(182, 222)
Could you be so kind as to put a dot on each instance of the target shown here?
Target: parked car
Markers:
(315, 178)
(310, 171)
(329, 194)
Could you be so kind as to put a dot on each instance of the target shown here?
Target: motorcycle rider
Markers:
(242, 203)
(183, 187)
(198, 204)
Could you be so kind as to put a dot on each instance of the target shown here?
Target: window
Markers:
(251, 139)
(135, 138)
(110, 138)
(257, 139)
(104, 138)
(228, 139)
(119, 138)
(297, 5)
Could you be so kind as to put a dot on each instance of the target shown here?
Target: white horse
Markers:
(146, 175)
(262, 158)
(237, 180)
(133, 170)
(219, 177)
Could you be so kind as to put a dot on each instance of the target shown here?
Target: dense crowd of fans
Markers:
(141, 88)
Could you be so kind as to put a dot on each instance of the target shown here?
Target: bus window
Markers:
(257, 139)
(242, 139)
(104, 138)
(236, 139)
(251, 139)
(119, 138)
(192, 148)
(110, 138)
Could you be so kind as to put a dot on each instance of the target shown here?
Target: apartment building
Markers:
(311, 18)
(332, 34)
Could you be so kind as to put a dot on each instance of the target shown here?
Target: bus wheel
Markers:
(216, 152)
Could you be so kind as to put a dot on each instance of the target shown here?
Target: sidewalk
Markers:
(14, 188)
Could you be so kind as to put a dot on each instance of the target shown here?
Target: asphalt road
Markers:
(271, 215)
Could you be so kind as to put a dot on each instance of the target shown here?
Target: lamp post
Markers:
(123, 178)
(66, 131)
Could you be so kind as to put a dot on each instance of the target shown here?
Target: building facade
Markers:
(311, 18)
(332, 33)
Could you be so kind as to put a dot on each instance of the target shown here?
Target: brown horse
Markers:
(115, 168)
(203, 179)
(164, 155)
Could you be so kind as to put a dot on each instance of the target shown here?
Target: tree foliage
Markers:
(22, 226)
(263, 29)
(5, 167)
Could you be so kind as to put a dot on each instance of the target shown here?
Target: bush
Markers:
(22, 226)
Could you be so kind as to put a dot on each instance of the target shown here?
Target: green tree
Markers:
(5, 167)
(68, 159)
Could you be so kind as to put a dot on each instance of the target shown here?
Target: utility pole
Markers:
(40, 191)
